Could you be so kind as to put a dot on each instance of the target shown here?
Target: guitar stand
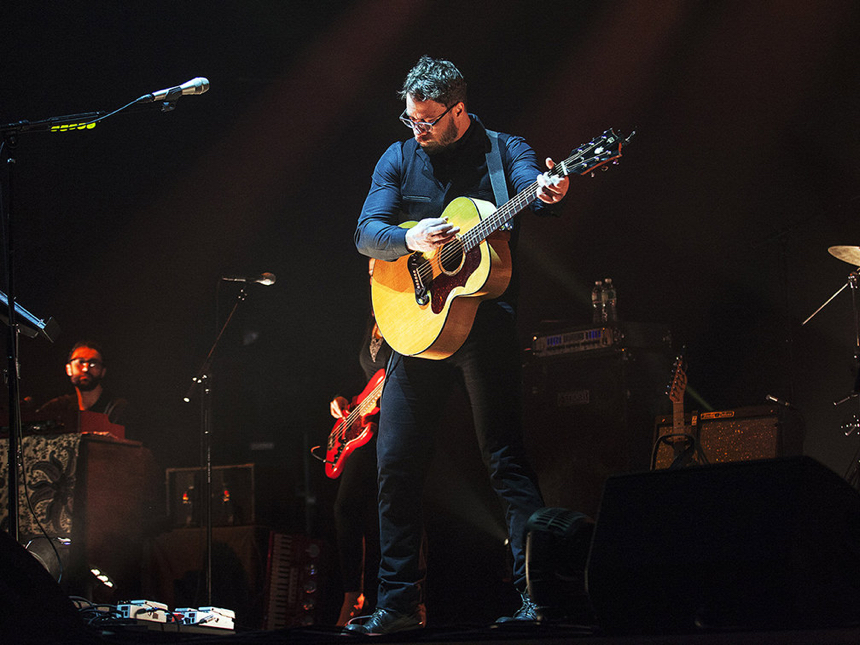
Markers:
(692, 450)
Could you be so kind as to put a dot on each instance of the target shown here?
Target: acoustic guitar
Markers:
(425, 304)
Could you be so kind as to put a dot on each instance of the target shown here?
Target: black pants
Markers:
(416, 390)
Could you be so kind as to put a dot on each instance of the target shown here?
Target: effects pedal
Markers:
(148, 610)
(207, 617)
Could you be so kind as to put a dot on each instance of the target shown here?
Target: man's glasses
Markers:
(84, 362)
(422, 126)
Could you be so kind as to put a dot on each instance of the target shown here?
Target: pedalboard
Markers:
(154, 613)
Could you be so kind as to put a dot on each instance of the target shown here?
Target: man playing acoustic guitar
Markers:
(447, 157)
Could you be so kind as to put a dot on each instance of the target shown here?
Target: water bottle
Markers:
(597, 303)
(611, 301)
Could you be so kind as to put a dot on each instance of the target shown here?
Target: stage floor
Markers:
(508, 634)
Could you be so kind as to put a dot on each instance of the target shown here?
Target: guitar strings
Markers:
(360, 409)
(478, 233)
(368, 402)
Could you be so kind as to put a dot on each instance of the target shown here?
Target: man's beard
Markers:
(445, 139)
(86, 386)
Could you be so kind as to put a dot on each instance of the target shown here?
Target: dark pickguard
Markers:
(443, 283)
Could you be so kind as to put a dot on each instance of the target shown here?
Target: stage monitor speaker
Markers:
(741, 434)
(588, 416)
(557, 543)
(33, 608)
(740, 545)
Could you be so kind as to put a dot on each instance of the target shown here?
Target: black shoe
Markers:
(386, 621)
(528, 611)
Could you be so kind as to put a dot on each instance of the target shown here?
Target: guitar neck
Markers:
(678, 426)
(584, 159)
(499, 218)
(370, 400)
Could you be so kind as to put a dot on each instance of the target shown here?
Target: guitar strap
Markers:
(497, 174)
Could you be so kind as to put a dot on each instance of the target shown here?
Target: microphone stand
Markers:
(202, 382)
(12, 373)
(8, 142)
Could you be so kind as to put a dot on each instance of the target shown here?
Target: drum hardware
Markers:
(850, 254)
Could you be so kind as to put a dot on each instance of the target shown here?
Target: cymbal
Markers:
(850, 254)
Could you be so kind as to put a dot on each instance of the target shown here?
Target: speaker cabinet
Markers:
(33, 608)
(740, 545)
(741, 434)
(588, 416)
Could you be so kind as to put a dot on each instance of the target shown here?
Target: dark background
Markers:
(717, 222)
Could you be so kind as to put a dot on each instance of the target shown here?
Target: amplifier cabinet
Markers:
(588, 416)
(566, 341)
(232, 495)
(739, 434)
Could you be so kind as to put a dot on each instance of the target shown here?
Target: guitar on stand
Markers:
(685, 444)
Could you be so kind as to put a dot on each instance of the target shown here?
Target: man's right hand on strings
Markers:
(430, 234)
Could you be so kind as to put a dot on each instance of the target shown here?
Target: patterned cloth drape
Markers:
(50, 462)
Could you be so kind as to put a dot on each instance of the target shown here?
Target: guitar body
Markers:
(457, 283)
(356, 429)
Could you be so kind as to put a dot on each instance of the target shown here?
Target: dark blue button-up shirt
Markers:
(410, 185)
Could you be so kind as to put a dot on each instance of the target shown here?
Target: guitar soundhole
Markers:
(451, 257)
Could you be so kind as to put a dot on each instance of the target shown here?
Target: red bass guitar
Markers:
(355, 429)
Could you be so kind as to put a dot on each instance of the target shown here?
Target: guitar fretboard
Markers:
(362, 408)
(678, 418)
(601, 151)
(502, 216)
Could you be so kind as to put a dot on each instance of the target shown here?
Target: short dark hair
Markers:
(86, 343)
(435, 79)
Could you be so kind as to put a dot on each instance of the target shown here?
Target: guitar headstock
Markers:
(676, 387)
(596, 153)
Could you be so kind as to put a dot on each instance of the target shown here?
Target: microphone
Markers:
(194, 86)
(264, 278)
(784, 404)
